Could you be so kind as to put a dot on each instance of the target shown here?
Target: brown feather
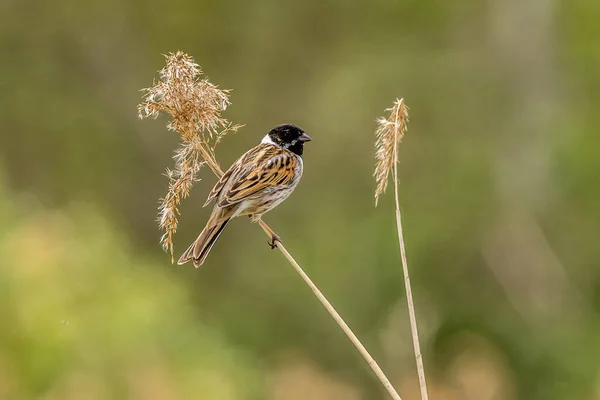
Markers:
(219, 185)
(198, 251)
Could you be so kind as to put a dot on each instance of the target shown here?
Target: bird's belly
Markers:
(265, 202)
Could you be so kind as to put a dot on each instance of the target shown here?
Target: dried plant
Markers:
(388, 135)
(195, 106)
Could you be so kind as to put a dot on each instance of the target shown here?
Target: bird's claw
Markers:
(273, 241)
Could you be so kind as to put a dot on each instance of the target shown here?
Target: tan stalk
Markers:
(337, 317)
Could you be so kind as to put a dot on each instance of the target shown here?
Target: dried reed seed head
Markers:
(195, 107)
(194, 104)
(388, 134)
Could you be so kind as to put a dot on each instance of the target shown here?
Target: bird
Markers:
(257, 182)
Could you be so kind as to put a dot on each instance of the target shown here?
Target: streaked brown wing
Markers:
(221, 183)
(262, 167)
(247, 159)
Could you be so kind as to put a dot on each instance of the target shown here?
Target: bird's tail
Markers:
(201, 247)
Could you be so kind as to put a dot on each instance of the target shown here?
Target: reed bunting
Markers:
(256, 183)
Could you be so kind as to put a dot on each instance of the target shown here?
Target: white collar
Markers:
(267, 140)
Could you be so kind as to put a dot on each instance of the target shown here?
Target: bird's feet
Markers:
(274, 240)
(274, 237)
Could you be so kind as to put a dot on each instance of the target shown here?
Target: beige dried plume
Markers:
(195, 107)
(389, 133)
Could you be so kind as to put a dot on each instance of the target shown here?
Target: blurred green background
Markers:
(499, 193)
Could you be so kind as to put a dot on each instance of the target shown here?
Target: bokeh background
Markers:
(499, 193)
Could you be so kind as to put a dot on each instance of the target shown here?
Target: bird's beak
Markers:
(304, 138)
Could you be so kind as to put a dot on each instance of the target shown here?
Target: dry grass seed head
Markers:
(195, 106)
(388, 134)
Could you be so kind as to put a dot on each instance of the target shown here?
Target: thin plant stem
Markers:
(336, 316)
(409, 298)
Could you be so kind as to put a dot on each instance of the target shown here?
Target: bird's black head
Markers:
(290, 137)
